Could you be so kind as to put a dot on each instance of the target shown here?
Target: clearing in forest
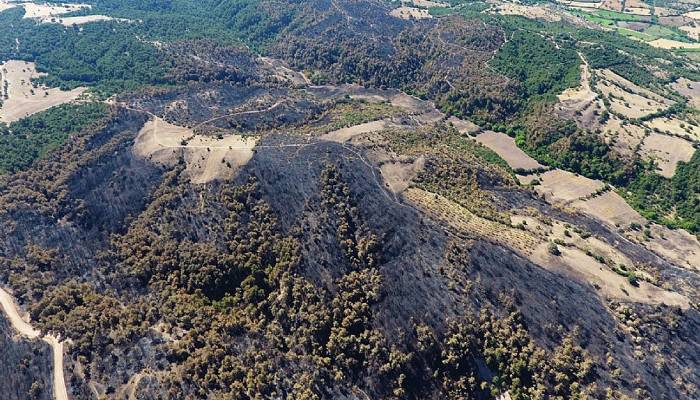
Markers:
(410, 13)
(83, 19)
(207, 158)
(506, 148)
(689, 89)
(628, 99)
(558, 186)
(580, 97)
(398, 174)
(464, 126)
(428, 3)
(667, 151)
(346, 134)
(625, 137)
(532, 12)
(42, 11)
(21, 98)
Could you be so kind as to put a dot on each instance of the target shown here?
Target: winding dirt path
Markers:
(7, 303)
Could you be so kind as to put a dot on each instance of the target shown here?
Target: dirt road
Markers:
(9, 306)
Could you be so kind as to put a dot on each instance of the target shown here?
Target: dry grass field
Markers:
(22, 98)
(562, 187)
(677, 246)
(628, 99)
(505, 147)
(632, 87)
(692, 30)
(207, 158)
(85, 19)
(673, 44)
(532, 12)
(428, 3)
(637, 7)
(689, 89)
(609, 208)
(43, 11)
(667, 151)
(612, 5)
(464, 126)
(283, 72)
(5, 5)
(399, 174)
(625, 137)
(693, 14)
(576, 264)
(346, 134)
(583, 5)
(675, 126)
(410, 13)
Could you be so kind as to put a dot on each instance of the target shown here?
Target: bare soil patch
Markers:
(464, 126)
(44, 11)
(410, 13)
(398, 175)
(677, 246)
(689, 89)
(22, 98)
(609, 208)
(633, 25)
(576, 264)
(580, 102)
(505, 147)
(560, 186)
(347, 134)
(80, 20)
(207, 158)
(667, 151)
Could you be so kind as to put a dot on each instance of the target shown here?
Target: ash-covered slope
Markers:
(25, 371)
(365, 246)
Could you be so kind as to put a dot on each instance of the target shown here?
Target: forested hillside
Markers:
(347, 199)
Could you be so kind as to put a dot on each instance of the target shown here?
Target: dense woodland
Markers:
(28, 139)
